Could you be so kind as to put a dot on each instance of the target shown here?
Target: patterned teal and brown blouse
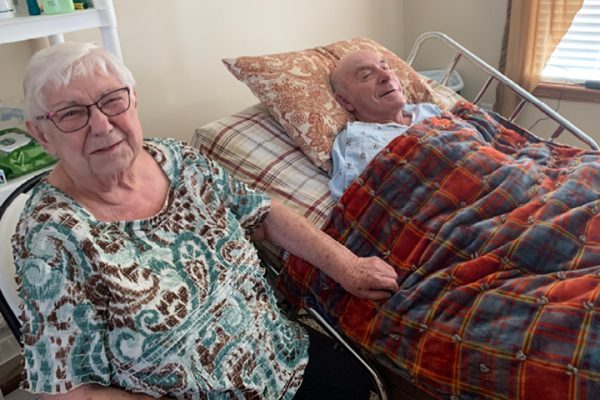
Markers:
(176, 304)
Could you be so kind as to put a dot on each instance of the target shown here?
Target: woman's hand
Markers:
(371, 278)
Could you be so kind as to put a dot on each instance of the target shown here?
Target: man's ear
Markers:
(40, 137)
(346, 105)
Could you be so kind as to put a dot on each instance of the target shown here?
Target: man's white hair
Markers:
(59, 64)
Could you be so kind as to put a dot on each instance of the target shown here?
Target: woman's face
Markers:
(106, 146)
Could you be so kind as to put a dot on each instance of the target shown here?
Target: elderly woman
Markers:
(135, 263)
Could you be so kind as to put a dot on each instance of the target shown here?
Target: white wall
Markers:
(476, 24)
(13, 58)
(174, 48)
(586, 116)
(182, 81)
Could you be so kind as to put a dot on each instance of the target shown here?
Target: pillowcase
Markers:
(295, 89)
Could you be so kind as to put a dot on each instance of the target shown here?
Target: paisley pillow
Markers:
(295, 89)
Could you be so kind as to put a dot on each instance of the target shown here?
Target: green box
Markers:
(20, 154)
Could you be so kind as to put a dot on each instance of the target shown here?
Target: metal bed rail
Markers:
(272, 272)
(525, 97)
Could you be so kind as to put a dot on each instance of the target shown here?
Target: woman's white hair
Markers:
(61, 63)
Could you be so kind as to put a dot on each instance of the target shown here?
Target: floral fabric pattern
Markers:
(174, 305)
(295, 88)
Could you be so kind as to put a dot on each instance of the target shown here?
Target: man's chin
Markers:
(393, 102)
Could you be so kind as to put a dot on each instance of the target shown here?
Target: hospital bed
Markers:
(281, 145)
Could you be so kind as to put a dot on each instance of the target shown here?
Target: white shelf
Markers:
(101, 16)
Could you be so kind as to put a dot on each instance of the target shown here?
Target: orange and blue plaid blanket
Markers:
(496, 240)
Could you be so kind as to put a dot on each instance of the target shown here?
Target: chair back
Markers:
(10, 212)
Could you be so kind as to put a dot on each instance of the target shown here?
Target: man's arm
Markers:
(368, 277)
(97, 392)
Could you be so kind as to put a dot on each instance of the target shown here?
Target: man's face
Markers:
(368, 88)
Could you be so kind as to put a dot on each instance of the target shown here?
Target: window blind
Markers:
(577, 57)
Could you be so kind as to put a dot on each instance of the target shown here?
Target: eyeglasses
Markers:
(73, 118)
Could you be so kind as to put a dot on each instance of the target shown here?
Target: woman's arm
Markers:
(97, 392)
(368, 277)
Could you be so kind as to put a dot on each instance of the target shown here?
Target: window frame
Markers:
(567, 91)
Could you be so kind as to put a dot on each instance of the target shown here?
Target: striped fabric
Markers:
(497, 248)
(254, 148)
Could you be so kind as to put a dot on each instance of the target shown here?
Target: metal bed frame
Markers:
(494, 75)
(272, 271)
(526, 98)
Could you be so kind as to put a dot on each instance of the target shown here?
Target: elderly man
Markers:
(365, 86)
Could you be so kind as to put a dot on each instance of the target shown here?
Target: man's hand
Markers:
(371, 278)
(368, 277)
(447, 114)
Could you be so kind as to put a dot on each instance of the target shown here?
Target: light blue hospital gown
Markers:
(356, 145)
(175, 304)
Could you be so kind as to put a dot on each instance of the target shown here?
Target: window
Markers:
(577, 57)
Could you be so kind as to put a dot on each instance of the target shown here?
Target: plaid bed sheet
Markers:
(496, 241)
(253, 147)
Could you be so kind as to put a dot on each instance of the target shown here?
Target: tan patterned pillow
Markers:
(295, 89)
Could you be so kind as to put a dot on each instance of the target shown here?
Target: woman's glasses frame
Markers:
(102, 104)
